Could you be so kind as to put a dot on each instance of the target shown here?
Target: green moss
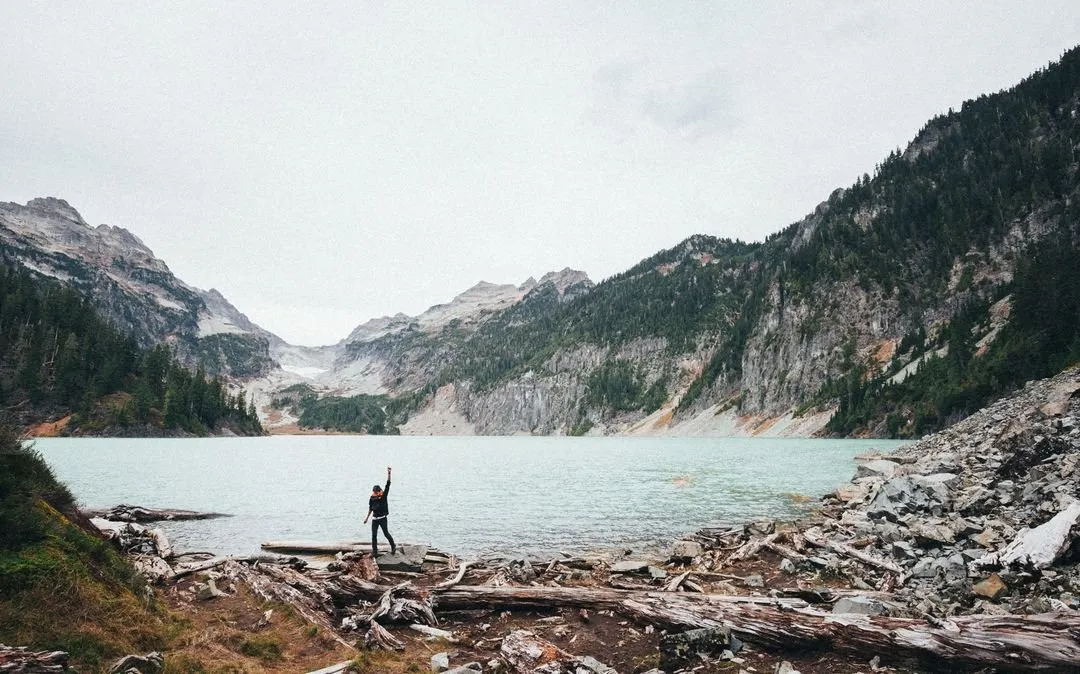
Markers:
(62, 588)
(264, 648)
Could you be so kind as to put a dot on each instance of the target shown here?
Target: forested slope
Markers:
(57, 356)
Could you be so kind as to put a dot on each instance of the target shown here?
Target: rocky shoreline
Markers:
(961, 550)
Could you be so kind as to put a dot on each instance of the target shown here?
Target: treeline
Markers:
(362, 414)
(619, 386)
(57, 356)
(356, 414)
(1041, 338)
(691, 293)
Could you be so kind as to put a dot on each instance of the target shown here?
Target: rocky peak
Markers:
(57, 207)
(379, 327)
(568, 283)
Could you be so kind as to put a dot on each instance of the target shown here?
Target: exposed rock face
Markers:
(132, 288)
(986, 511)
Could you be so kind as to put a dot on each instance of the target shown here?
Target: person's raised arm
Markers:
(386, 490)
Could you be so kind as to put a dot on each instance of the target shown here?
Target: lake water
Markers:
(464, 495)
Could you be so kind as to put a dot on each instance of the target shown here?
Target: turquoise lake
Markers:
(466, 495)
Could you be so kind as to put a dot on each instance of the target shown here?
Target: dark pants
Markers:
(375, 524)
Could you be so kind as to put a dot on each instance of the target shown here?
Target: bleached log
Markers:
(691, 585)
(526, 653)
(847, 550)
(131, 513)
(24, 660)
(751, 548)
(339, 668)
(394, 608)
(1026, 643)
(1039, 547)
(315, 547)
(161, 542)
(434, 632)
(787, 553)
(466, 597)
(1045, 642)
(675, 582)
(377, 638)
(153, 568)
(455, 580)
(215, 562)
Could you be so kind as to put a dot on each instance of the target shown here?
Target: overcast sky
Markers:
(324, 163)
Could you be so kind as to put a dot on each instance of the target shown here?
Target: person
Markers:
(378, 508)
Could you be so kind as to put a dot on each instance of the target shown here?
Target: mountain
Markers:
(901, 303)
(132, 288)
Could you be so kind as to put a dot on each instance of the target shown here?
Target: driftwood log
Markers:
(847, 550)
(316, 607)
(17, 659)
(1023, 643)
(525, 653)
(131, 513)
(377, 637)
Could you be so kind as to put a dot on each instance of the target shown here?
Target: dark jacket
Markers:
(378, 505)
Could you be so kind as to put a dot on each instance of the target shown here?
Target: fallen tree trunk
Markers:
(849, 551)
(1024, 643)
(316, 610)
(1046, 642)
(206, 565)
(467, 597)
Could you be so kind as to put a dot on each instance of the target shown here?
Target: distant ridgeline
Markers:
(58, 356)
(910, 299)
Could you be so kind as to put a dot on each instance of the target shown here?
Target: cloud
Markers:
(634, 94)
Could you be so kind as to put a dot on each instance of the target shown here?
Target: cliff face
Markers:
(132, 288)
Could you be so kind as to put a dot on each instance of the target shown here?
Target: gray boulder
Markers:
(440, 662)
(912, 493)
(684, 551)
(859, 605)
(879, 468)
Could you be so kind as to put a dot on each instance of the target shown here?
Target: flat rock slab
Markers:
(630, 567)
(409, 557)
